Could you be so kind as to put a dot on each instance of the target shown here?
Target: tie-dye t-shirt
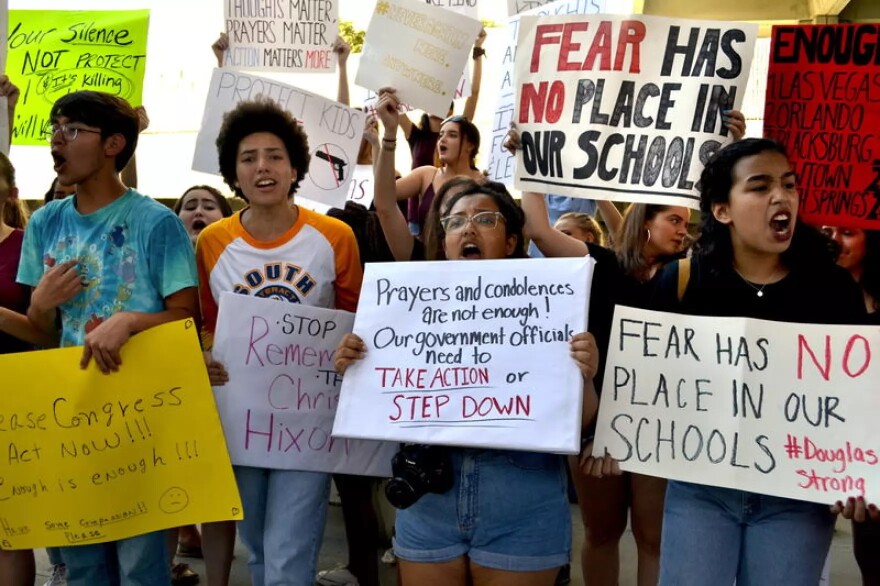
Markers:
(130, 255)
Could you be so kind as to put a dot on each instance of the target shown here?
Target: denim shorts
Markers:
(506, 511)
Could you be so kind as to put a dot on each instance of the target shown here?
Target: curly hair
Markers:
(111, 114)
(261, 115)
(222, 203)
(714, 247)
(514, 218)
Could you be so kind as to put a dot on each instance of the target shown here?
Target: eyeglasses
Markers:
(481, 221)
(68, 133)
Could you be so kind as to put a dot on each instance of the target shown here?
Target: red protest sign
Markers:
(823, 104)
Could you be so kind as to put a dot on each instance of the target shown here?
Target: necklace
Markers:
(759, 291)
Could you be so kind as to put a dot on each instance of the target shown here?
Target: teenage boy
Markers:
(106, 263)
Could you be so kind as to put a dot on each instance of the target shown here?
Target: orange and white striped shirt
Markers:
(316, 262)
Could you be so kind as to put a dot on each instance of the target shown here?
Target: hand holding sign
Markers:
(350, 350)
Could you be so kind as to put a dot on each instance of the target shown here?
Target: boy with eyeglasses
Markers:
(109, 262)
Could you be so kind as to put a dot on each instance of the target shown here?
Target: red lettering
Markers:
(848, 351)
(601, 47)
(384, 370)
(563, 64)
(399, 410)
(632, 32)
(804, 345)
(545, 34)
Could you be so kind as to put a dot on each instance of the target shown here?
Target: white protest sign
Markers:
(420, 50)
(459, 346)
(361, 190)
(501, 161)
(281, 36)
(334, 130)
(625, 108)
(773, 408)
(277, 408)
(469, 8)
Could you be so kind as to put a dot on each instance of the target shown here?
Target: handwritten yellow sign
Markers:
(87, 457)
(54, 52)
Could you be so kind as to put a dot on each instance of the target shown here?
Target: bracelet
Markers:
(389, 147)
(391, 140)
(478, 52)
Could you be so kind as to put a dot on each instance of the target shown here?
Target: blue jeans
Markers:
(717, 535)
(136, 561)
(284, 514)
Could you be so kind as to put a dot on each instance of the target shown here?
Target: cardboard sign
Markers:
(823, 104)
(459, 346)
(334, 130)
(418, 49)
(625, 108)
(91, 457)
(501, 162)
(772, 408)
(281, 36)
(278, 406)
(54, 52)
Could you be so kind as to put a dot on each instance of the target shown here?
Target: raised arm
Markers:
(219, 48)
(393, 223)
(612, 216)
(129, 175)
(342, 50)
(735, 121)
(550, 241)
(10, 90)
(405, 124)
(470, 104)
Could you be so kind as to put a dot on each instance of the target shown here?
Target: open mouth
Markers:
(198, 225)
(471, 252)
(265, 183)
(781, 223)
(59, 161)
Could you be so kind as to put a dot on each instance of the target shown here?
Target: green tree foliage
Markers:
(352, 36)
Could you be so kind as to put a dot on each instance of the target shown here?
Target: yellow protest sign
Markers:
(87, 457)
(54, 52)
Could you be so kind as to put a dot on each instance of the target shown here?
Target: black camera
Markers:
(418, 469)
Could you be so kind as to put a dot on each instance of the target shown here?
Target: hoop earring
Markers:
(648, 230)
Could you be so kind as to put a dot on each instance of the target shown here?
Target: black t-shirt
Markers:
(611, 287)
(822, 294)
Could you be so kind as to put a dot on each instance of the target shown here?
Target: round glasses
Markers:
(480, 220)
(68, 133)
